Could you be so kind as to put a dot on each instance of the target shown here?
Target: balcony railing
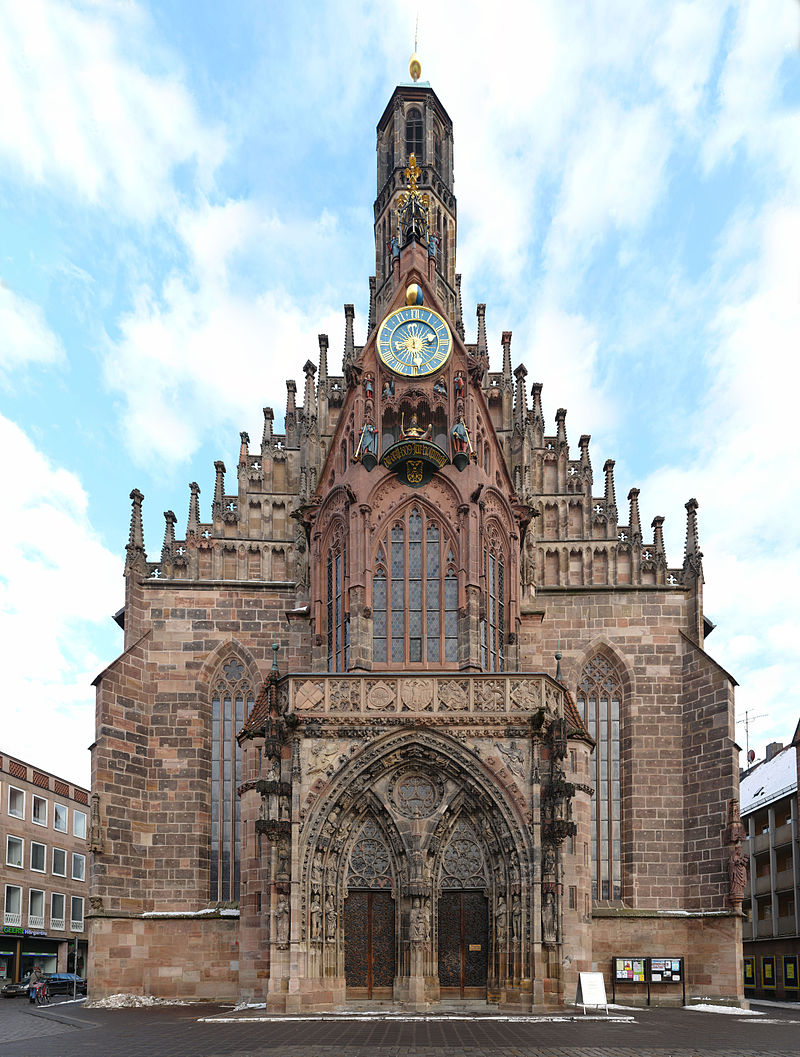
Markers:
(57, 924)
(10, 918)
(35, 921)
(76, 926)
(405, 695)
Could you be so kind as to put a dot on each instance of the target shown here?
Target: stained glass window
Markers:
(599, 695)
(415, 595)
(231, 702)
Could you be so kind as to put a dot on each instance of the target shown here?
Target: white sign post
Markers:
(591, 991)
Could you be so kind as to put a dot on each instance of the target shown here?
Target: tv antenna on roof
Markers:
(748, 719)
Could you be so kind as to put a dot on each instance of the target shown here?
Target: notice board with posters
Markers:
(666, 970)
(790, 968)
(768, 981)
(749, 970)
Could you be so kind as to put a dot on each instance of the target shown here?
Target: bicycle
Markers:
(42, 996)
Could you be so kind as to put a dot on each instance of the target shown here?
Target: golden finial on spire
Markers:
(414, 65)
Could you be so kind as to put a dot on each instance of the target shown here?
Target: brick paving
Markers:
(75, 1031)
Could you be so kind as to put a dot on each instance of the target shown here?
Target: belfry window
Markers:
(415, 595)
(437, 152)
(231, 702)
(338, 619)
(599, 695)
(414, 134)
(493, 625)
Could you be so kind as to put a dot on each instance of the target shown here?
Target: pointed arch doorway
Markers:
(369, 917)
(463, 922)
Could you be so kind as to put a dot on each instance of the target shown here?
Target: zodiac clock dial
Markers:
(414, 341)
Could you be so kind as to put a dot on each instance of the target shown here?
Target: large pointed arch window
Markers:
(493, 625)
(599, 699)
(231, 702)
(415, 594)
(338, 619)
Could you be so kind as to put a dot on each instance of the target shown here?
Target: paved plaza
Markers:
(73, 1030)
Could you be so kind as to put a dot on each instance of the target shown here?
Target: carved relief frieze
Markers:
(489, 695)
(309, 695)
(380, 696)
(417, 695)
(345, 695)
(453, 695)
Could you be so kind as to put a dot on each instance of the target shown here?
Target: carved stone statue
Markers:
(737, 875)
(501, 920)
(549, 861)
(300, 557)
(283, 859)
(316, 917)
(330, 917)
(419, 926)
(549, 918)
(316, 870)
(516, 919)
(282, 922)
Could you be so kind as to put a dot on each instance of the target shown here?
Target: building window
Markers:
(13, 906)
(437, 152)
(38, 857)
(57, 911)
(78, 867)
(59, 864)
(39, 813)
(15, 849)
(78, 823)
(389, 140)
(414, 134)
(415, 595)
(599, 696)
(493, 625)
(35, 908)
(76, 914)
(231, 702)
(573, 897)
(336, 598)
(16, 802)
(60, 817)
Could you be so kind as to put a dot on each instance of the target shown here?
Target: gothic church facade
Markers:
(419, 713)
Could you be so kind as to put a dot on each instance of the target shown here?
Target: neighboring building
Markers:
(403, 797)
(772, 897)
(43, 870)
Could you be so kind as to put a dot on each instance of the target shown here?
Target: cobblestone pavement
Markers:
(179, 1031)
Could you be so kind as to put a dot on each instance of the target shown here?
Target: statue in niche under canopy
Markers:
(413, 431)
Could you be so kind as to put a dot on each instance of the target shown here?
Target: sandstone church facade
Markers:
(418, 713)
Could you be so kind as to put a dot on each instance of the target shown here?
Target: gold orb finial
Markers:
(415, 67)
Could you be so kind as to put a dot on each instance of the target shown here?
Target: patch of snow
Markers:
(129, 1001)
(207, 912)
(769, 781)
(731, 1010)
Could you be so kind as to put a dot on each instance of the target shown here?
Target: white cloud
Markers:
(685, 52)
(25, 337)
(81, 114)
(209, 349)
(58, 589)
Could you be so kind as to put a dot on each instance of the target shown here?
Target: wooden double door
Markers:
(463, 943)
(369, 944)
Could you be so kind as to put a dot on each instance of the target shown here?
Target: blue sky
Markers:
(186, 202)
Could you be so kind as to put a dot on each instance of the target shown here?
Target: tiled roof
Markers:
(260, 711)
(575, 724)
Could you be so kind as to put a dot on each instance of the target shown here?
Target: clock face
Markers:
(414, 341)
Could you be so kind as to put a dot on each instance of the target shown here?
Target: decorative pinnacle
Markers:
(194, 510)
(169, 535)
(275, 648)
(635, 523)
(482, 348)
(558, 665)
(657, 526)
(136, 533)
(693, 556)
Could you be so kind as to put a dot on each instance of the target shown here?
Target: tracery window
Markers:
(415, 595)
(231, 701)
(370, 862)
(437, 152)
(414, 134)
(493, 626)
(463, 861)
(337, 617)
(599, 696)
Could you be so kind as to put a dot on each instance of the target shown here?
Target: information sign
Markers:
(750, 972)
(591, 991)
(666, 970)
(768, 981)
(630, 970)
(790, 971)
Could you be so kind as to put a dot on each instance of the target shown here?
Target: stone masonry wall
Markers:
(708, 944)
(191, 959)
